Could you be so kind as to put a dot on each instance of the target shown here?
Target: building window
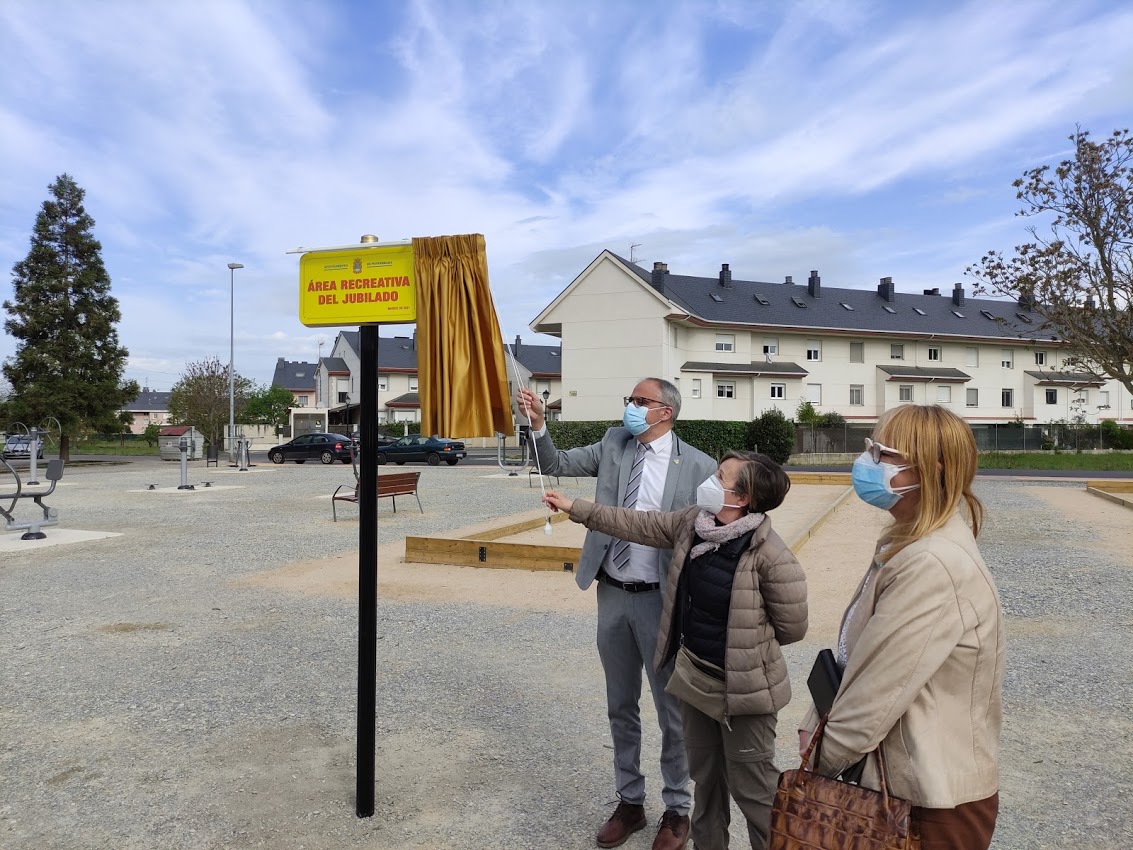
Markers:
(934, 352)
(1103, 400)
(1040, 358)
(725, 389)
(972, 397)
(1052, 396)
(971, 356)
(857, 352)
(1082, 396)
(857, 395)
(413, 384)
(778, 390)
(343, 398)
(897, 351)
(302, 400)
(542, 387)
(725, 342)
(905, 392)
(696, 387)
(1007, 397)
(1007, 360)
(813, 349)
(814, 393)
(771, 345)
(383, 383)
(943, 394)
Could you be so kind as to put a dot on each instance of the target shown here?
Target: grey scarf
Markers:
(713, 535)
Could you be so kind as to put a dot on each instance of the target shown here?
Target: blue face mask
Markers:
(634, 418)
(873, 482)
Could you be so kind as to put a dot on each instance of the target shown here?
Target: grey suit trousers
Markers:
(628, 624)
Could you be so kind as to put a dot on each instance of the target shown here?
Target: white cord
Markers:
(531, 437)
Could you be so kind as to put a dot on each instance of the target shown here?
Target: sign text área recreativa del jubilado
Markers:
(358, 290)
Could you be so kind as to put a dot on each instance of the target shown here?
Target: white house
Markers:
(736, 348)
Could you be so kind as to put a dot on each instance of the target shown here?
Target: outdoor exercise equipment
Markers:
(513, 463)
(183, 447)
(50, 515)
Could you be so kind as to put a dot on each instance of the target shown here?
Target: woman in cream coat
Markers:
(922, 641)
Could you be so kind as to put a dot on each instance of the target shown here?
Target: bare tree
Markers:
(200, 397)
(1078, 274)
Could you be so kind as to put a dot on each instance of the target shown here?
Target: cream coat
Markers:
(924, 674)
(767, 609)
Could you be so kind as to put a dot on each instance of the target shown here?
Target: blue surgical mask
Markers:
(873, 482)
(634, 418)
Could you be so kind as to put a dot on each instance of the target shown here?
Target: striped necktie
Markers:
(619, 557)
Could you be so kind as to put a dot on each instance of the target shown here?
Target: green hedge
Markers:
(710, 436)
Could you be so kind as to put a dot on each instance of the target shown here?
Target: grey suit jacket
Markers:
(609, 461)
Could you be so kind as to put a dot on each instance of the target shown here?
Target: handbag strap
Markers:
(816, 744)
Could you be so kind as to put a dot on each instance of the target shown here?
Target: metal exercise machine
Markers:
(50, 515)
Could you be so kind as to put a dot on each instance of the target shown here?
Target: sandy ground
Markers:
(534, 590)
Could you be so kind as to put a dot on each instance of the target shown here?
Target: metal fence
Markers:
(849, 439)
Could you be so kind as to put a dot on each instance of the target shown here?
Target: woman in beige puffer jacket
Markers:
(734, 595)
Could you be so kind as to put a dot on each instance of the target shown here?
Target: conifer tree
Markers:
(68, 362)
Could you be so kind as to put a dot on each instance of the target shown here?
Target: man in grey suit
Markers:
(641, 465)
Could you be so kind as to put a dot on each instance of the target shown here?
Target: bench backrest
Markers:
(397, 483)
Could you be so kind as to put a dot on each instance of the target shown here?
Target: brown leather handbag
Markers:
(813, 812)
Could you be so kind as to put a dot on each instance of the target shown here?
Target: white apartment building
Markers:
(737, 348)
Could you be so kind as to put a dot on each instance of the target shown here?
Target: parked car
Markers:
(383, 439)
(325, 447)
(19, 445)
(414, 447)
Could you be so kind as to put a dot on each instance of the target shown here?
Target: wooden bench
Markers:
(392, 484)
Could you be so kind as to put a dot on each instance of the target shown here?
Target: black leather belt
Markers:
(628, 586)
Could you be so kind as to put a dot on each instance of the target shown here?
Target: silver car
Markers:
(19, 446)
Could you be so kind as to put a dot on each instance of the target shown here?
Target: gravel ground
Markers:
(150, 701)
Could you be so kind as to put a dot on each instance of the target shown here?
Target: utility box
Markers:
(169, 442)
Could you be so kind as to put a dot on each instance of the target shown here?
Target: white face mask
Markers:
(710, 496)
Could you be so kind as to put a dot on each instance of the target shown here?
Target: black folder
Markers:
(824, 680)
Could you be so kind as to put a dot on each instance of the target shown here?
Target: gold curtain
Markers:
(462, 371)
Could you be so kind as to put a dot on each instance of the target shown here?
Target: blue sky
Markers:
(862, 139)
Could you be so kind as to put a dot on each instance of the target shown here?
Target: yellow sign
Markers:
(357, 286)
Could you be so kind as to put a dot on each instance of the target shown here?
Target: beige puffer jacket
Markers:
(768, 605)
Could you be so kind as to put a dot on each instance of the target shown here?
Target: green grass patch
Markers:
(113, 447)
(1086, 461)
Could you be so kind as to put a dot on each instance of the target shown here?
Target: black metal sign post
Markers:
(367, 570)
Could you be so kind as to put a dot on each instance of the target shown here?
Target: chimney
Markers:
(789, 281)
(414, 339)
(1090, 302)
(280, 360)
(958, 295)
(814, 285)
(659, 272)
(725, 276)
(515, 351)
(1026, 299)
(886, 289)
(934, 291)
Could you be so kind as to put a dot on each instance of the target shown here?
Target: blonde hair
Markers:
(940, 446)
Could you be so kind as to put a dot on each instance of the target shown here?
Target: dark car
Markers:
(318, 446)
(414, 447)
(383, 439)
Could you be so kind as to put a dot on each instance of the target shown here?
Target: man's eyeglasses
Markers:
(876, 450)
(641, 401)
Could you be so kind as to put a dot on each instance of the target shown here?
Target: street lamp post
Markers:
(231, 359)
(546, 395)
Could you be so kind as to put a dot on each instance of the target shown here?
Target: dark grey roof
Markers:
(148, 400)
(782, 369)
(336, 364)
(923, 373)
(405, 400)
(539, 359)
(738, 304)
(294, 375)
(1070, 379)
(397, 353)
